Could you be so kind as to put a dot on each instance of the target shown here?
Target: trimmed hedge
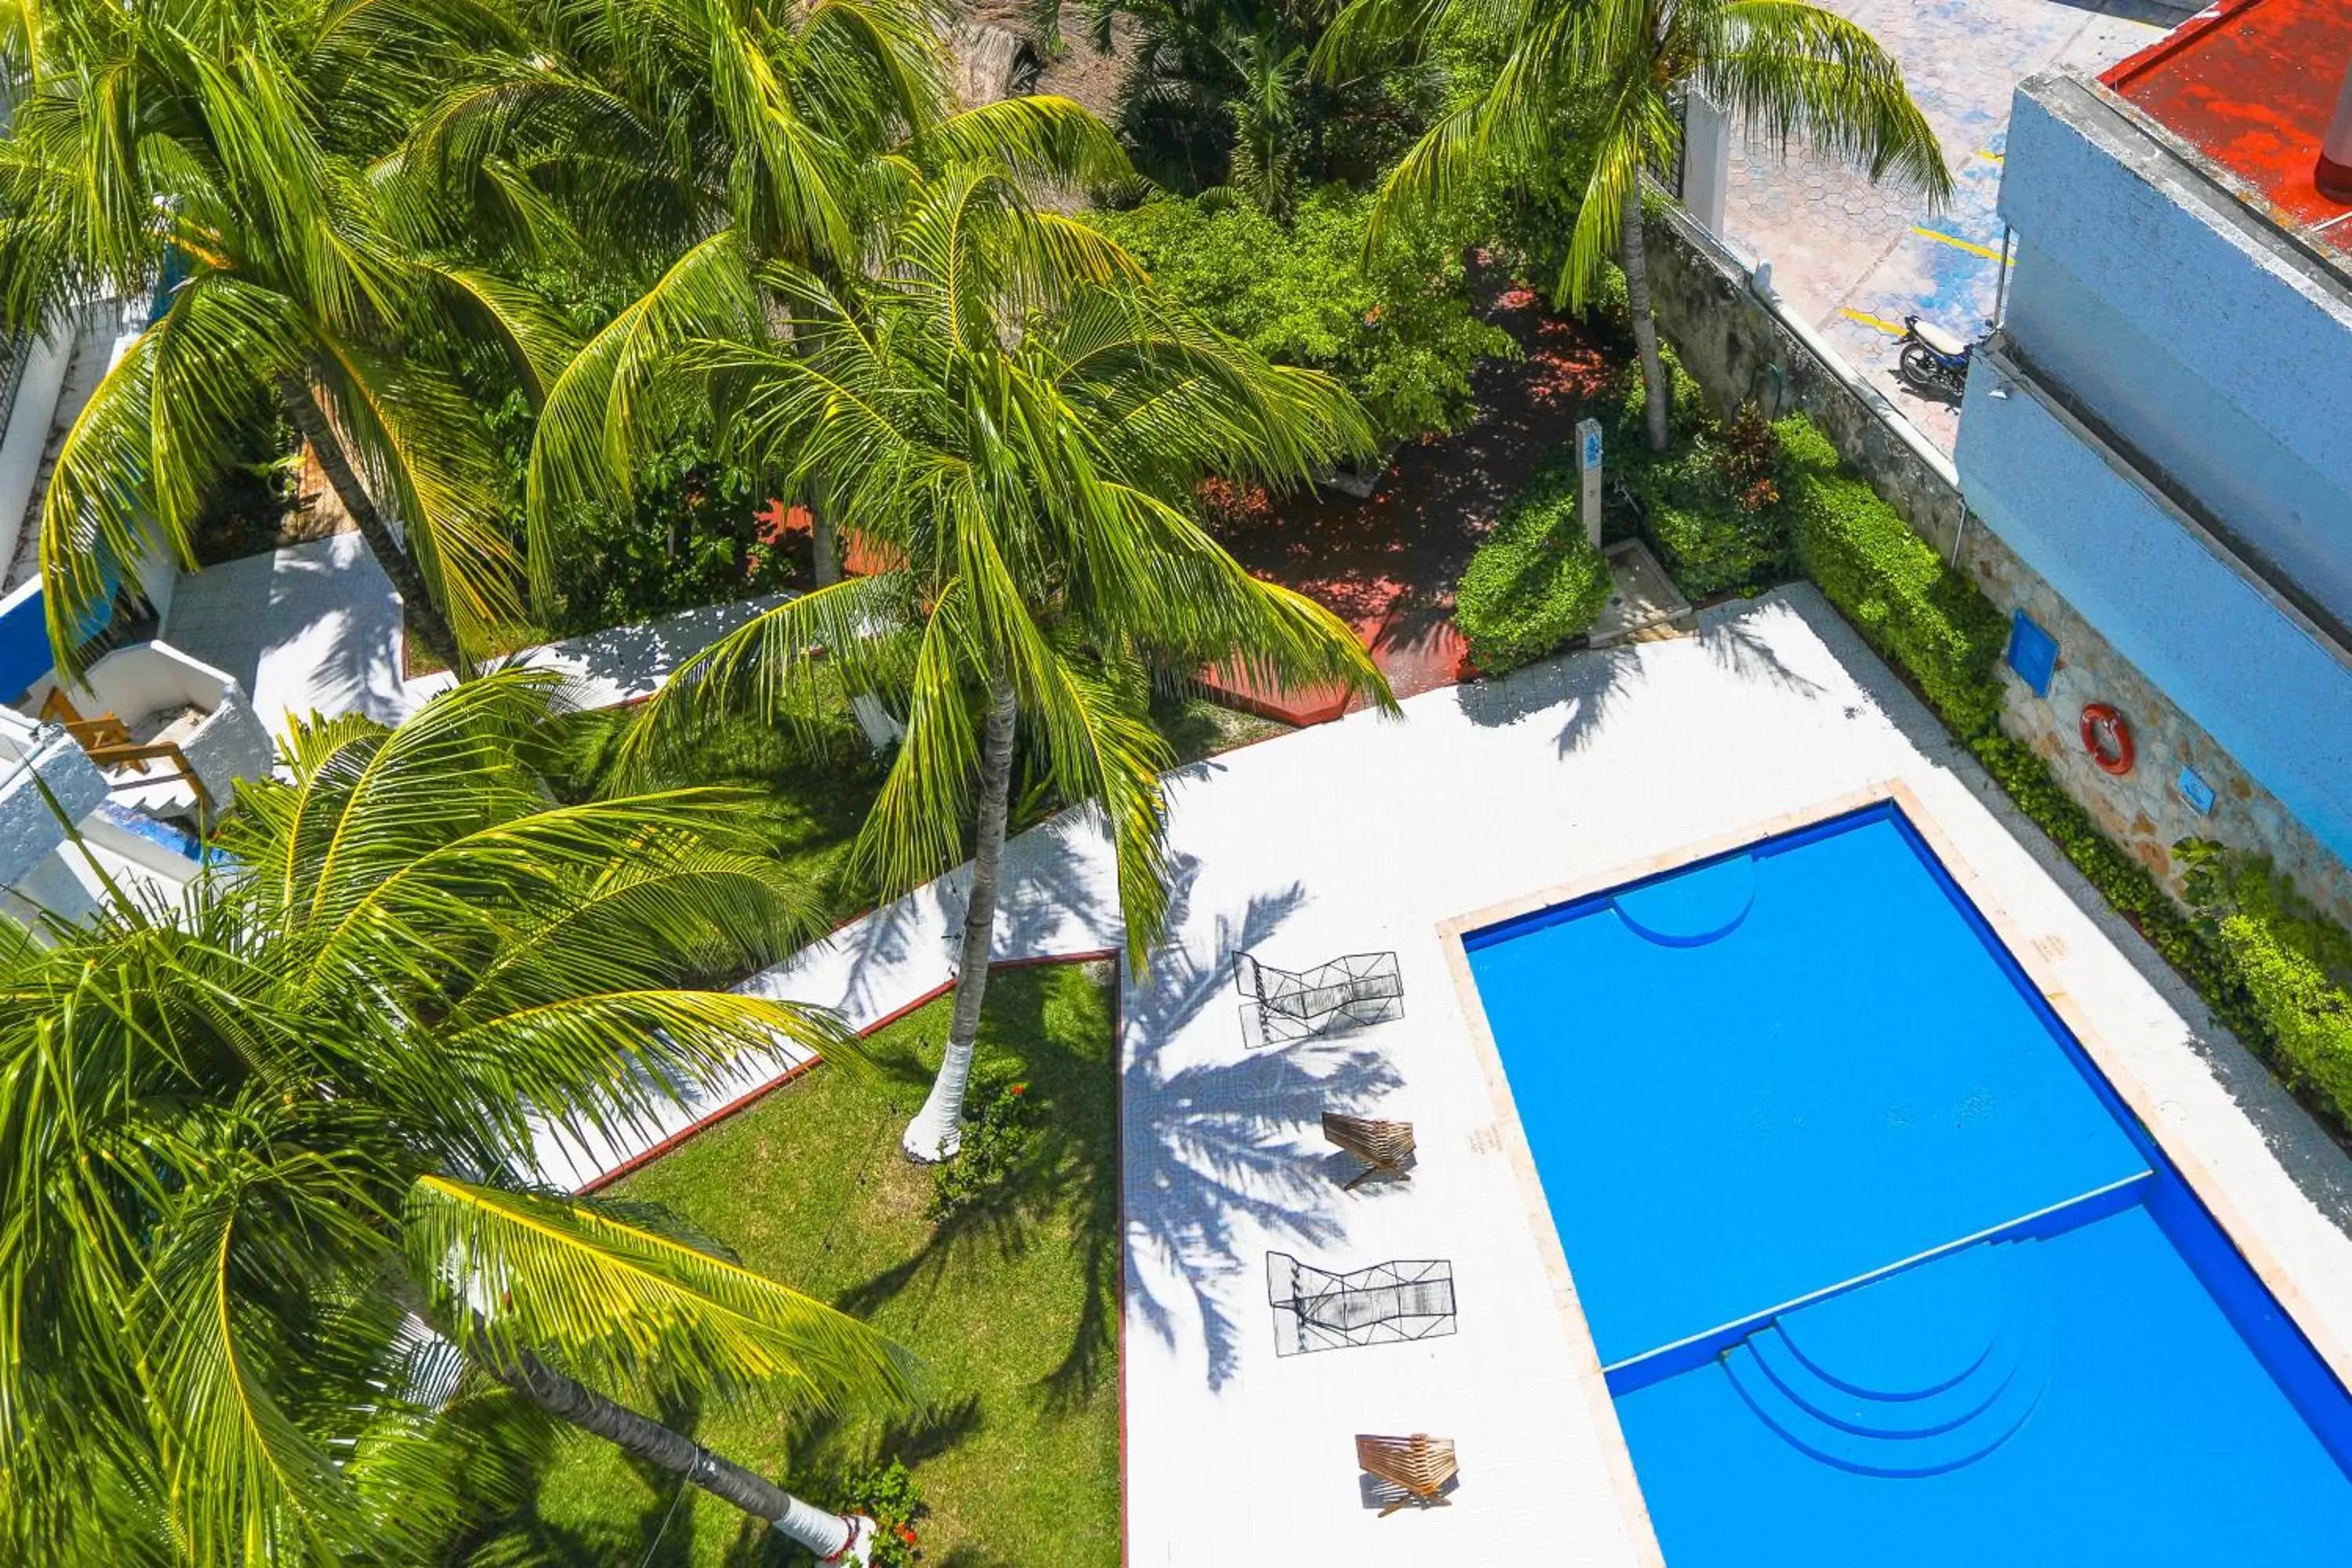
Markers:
(2128, 887)
(1891, 584)
(1535, 581)
(2290, 963)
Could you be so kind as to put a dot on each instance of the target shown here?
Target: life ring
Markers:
(2106, 735)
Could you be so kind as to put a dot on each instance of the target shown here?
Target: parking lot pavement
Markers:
(1854, 259)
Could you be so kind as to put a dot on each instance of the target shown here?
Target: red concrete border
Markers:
(1313, 706)
(1119, 1151)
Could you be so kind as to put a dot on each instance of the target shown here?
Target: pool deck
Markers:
(1371, 835)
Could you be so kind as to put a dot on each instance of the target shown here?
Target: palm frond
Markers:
(516, 1275)
(620, 393)
(1792, 70)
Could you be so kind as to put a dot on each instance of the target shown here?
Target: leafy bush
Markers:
(995, 1135)
(1891, 584)
(1401, 335)
(2291, 963)
(2128, 887)
(1537, 581)
(1710, 502)
(888, 1496)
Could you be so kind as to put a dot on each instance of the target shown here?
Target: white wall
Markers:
(27, 432)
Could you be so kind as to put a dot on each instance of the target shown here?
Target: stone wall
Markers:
(1738, 349)
(1739, 352)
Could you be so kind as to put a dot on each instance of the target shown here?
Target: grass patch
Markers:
(815, 784)
(1012, 1305)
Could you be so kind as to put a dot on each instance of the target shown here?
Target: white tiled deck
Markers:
(317, 628)
(1368, 835)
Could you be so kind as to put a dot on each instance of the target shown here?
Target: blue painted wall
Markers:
(2224, 361)
(2276, 699)
(24, 640)
(2229, 366)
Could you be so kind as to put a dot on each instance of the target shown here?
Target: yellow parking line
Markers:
(1954, 240)
(1867, 320)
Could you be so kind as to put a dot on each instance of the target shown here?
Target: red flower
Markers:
(906, 1533)
(1019, 1089)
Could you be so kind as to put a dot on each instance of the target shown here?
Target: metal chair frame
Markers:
(1388, 1303)
(1355, 989)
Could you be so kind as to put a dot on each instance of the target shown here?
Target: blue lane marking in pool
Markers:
(1881, 1269)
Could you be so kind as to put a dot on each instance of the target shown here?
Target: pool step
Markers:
(1691, 909)
(1919, 1374)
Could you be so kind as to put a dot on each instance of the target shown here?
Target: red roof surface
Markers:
(2250, 84)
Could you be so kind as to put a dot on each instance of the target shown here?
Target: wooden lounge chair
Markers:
(1355, 989)
(1418, 1467)
(1383, 1145)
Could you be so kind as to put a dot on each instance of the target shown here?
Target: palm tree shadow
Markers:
(1586, 684)
(1210, 1147)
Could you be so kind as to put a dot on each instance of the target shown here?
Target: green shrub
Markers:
(2270, 966)
(1710, 502)
(1396, 326)
(1537, 581)
(889, 1496)
(995, 1136)
(1891, 584)
(2128, 887)
(2290, 964)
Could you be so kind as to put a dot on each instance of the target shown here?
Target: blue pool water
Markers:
(1880, 1269)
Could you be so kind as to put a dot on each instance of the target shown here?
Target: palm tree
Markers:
(1016, 423)
(1615, 71)
(663, 132)
(249, 1145)
(222, 153)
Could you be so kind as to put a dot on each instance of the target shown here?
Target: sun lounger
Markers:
(1359, 988)
(1417, 1469)
(1383, 1145)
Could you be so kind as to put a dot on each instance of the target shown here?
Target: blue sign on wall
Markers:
(2196, 792)
(2032, 653)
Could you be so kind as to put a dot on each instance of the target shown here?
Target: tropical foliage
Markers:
(1394, 324)
(1017, 422)
(230, 160)
(1709, 503)
(1536, 581)
(1220, 93)
(690, 143)
(253, 1143)
(1602, 80)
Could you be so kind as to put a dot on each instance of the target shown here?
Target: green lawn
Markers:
(1012, 1308)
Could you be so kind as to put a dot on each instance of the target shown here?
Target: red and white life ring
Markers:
(2106, 735)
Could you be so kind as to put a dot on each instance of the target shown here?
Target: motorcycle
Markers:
(1934, 360)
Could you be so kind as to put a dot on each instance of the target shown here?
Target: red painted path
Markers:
(1387, 565)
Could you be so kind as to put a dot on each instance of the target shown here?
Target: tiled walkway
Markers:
(316, 628)
(1854, 259)
(1367, 833)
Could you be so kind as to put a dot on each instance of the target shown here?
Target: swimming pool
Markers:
(1879, 1268)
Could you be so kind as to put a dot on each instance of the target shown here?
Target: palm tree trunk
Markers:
(302, 408)
(1636, 261)
(937, 1131)
(835, 1537)
(824, 547)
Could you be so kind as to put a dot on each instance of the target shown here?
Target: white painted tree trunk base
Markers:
(837, 1539)
(860, 1550)
(937, 1133)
